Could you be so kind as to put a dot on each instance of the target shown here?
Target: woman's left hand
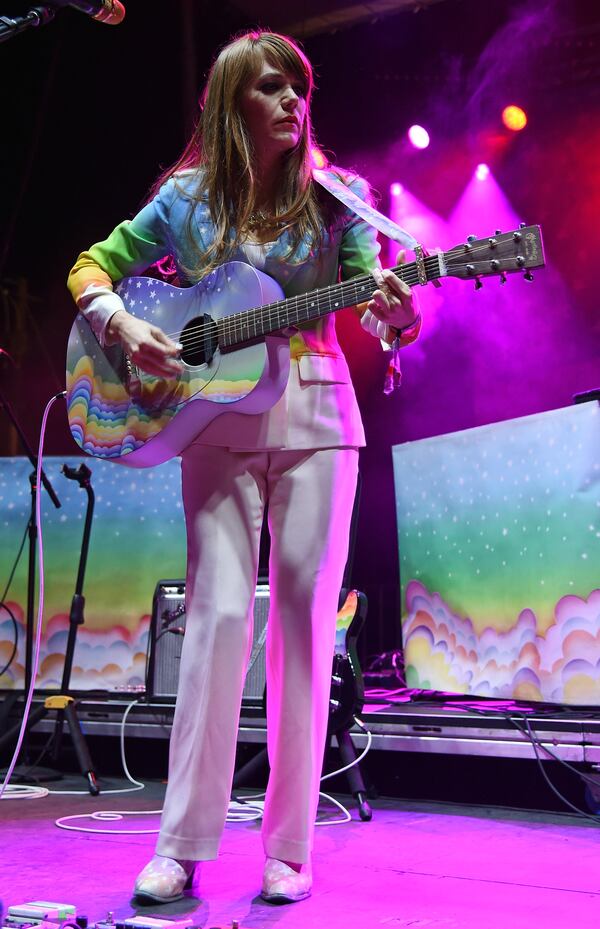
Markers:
(392, 302)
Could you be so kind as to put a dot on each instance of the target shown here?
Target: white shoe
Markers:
(164, 880)
(281, 884)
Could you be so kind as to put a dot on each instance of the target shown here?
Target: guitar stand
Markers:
(348, 756)
(346, 700)
(354, 774)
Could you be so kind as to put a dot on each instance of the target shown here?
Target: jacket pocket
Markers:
(323, 369)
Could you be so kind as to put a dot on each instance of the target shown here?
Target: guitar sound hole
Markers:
(200, 340)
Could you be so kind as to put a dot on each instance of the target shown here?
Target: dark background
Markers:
(91, 113)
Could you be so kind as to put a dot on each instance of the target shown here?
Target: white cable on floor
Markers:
(238, 811)
(24, 792)
(359, 758)
(325, 777)
(108, 816)
(132, 780)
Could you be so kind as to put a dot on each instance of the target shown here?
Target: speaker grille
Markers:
(256, 675)
(166, 637)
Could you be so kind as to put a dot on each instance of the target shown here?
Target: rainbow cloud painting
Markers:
(499, 543)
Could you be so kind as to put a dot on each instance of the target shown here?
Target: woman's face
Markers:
(273, 106)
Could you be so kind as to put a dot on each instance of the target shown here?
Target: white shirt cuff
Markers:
(377, 328)
(98, 306)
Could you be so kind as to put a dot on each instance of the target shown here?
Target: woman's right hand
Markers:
(147, 345)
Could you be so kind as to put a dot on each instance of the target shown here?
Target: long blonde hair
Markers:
(220, 151)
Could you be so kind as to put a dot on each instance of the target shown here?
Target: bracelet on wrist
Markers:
(399, 330)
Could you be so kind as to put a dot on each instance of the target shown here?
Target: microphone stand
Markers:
(38, 15)
(31, 570)
(64, 704)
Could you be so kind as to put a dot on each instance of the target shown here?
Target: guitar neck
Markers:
(499, 255)
(273, 317)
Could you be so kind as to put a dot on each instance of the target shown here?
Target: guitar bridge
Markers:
(132, 372)
(131, 379)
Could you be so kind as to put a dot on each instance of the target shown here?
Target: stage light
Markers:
(481, 172)
(318, 158)
(418, 136)
(514, 118)
(396, 189)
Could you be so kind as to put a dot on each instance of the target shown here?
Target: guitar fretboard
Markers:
(271, 317)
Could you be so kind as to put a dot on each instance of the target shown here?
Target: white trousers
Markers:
(310, 496)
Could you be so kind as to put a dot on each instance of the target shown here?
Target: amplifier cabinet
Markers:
(167, 629)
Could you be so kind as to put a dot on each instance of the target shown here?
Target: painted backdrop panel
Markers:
(138, 537)
(499, 542)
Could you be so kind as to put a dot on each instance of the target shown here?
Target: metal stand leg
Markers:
(354, 774)
(66, 705)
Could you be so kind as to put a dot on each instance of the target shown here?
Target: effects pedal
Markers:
(143, 922)
(43, 914)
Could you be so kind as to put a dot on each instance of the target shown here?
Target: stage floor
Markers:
(415, 864)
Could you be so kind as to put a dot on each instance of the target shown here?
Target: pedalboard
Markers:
(41, 914)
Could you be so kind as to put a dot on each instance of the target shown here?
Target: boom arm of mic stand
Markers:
(28, 451)
(38, 15)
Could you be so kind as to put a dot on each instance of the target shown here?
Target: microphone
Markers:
(111, 12)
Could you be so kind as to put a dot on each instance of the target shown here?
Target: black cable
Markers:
(34, 764)
(3, 605)
(537, 742)
(3, 670)
(553, 788)
(16, 562)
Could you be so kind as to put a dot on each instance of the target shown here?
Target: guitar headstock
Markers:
(501, 254)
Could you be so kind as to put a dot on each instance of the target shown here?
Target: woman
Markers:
(243, 191)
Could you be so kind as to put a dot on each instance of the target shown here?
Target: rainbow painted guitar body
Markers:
(119, 412)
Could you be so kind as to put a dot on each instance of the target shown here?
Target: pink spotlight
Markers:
(396, 189)
(418, 136)
(482, 172)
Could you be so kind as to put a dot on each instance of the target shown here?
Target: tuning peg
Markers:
(522, 225)
(470, 269)
(517, 236)
(503, 278)
(520, 261)
(528, 276)
(493, 243)
(495, 264)
(468, 247)
(498, 232)
(478, 284)
(471, 238)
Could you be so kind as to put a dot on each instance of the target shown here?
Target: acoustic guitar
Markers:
(235, 352)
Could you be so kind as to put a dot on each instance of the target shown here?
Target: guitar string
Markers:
(236, 319)
(236, 323)
(232, 329)
(321, 297)
(242, 327)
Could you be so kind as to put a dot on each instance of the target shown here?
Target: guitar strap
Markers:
(364, 210)
(372, 216)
